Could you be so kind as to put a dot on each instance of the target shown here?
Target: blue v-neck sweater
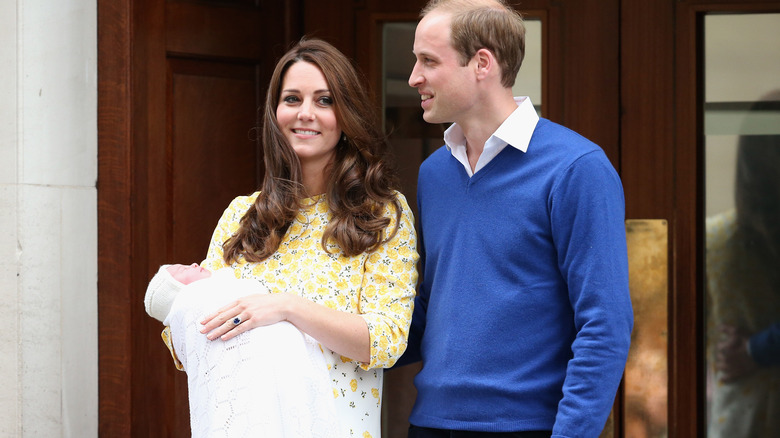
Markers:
(523, 318)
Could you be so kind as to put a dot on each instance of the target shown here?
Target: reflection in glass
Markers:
(742, 149)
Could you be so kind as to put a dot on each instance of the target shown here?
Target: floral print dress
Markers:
(379, 286)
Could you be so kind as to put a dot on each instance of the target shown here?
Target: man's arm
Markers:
(589, 231)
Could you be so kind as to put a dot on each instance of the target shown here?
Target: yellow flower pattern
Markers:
(379, 286)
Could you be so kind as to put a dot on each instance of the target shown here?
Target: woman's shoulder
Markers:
(401, 198)
(401, 202)
(242, 203)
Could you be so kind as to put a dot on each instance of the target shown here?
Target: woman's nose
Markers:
(305, 112)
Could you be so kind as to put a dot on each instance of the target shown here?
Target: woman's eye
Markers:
(290, 99)
(326, 100)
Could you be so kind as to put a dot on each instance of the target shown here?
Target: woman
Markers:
(327, 232)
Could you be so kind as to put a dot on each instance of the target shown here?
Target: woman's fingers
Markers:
(233, 327)
(221, 320)
(226, 322)
(233, 319)
(210, 317)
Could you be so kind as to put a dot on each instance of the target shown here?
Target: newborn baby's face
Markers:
(186, 274)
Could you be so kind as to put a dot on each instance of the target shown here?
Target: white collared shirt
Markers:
(516, 130)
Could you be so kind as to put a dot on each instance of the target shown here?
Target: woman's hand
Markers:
(342, 332)
(245, 314)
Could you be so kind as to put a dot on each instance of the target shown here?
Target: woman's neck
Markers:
(314, 181)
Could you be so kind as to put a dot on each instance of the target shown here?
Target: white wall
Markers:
(48, 218)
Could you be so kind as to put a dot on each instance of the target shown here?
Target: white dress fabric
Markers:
(269, 381)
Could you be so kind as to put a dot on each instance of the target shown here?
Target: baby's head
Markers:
(186, 274)
(167, 283)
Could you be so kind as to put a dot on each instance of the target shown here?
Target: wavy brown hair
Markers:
(361, 183)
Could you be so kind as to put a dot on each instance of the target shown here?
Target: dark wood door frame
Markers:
(115, 235)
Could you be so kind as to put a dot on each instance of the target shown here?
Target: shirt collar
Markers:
(516, 130)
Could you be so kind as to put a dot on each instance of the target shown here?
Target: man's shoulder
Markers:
(548, 131)
(439, 157)
(555, 143)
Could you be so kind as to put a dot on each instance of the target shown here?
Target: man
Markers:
(523, 319)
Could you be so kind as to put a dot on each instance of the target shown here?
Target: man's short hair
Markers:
(485, 24)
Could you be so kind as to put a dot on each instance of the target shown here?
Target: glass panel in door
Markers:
(742, 203)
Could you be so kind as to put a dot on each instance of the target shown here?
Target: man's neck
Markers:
(478, 130)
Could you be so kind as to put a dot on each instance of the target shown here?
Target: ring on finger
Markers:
(237, 320)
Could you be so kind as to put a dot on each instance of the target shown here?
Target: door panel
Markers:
(213, 159)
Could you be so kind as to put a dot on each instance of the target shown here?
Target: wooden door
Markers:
(180, 86)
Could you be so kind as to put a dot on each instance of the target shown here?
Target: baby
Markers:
(272, 378)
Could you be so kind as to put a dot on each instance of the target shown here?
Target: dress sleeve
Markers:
(166, 337)
(388, 289)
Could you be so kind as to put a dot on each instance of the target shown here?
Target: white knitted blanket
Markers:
(270, 381)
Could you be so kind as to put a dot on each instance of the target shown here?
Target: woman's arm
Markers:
(376, 335)
(343, 332)
(388, 290)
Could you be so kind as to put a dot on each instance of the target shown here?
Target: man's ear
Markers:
(485, 63)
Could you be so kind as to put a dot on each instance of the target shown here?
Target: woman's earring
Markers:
(344, 137)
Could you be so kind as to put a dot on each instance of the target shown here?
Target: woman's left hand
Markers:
(245, 314)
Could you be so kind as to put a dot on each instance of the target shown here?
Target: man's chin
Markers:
(430, 117)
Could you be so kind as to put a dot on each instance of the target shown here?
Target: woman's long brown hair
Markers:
(361, 182)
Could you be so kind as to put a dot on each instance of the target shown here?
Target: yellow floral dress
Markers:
(379, 286)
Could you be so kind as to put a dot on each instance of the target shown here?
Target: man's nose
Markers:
(415, 79)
